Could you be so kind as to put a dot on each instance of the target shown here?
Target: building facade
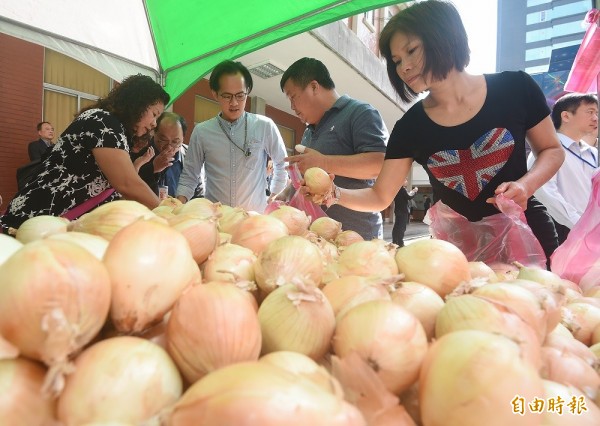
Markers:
(529, 31)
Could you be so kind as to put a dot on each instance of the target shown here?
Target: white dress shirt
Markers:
(232, 177)
(567, 193)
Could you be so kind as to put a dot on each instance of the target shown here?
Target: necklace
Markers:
(245, 148)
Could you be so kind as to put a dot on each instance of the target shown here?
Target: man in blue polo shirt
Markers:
(344, 136)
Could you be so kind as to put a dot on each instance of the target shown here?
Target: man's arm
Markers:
(366, 165)
(34, 151)
(192, 168)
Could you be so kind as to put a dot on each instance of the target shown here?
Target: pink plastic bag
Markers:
(298, 200)
(504, 237)
(578, 258)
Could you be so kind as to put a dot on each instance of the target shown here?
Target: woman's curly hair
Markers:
(130, 99)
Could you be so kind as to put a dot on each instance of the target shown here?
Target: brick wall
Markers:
(21, 96)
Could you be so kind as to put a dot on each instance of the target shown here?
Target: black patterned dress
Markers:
(71, 174)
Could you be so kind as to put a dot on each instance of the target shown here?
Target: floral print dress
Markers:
(70, 173)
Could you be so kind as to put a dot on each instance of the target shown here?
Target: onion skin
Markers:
(318, 182)
(201, 234)
(389, 338)
(21, 401)
(326, 227)
(55, 308)
(230, 262)
(569, 369)
(347, 292)
(256, 232)
(421, 301)
(8, 246)
(39, 227)
(469, 378)
(436, 263)
(296, 319)
(211, 326)
(123, 379)
(256, 393)
(150, 265)
(367, 259)
(289, 259)
(553, 390)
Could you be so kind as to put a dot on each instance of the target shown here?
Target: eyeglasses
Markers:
(239, 96)
(175, 143)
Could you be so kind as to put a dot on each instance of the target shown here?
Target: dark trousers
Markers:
(562, 231)
(542, 226)
(400, 221)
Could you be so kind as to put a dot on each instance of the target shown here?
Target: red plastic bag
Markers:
(298, 201)
(504, 237)
(578, 258)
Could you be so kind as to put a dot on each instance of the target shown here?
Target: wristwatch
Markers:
(334, 196)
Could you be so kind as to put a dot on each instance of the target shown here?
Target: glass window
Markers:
(205, 109)
(536, 69)
(538, 53)
(573, 8)
(537, 17)
(556, 31)
(289, 137)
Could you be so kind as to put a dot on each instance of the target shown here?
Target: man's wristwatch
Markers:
(333, 197)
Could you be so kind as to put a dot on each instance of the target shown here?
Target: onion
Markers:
(21, 402)
(555, 392)
(256, 232)
(539, 275)
(230, 262)
(38, 227)
(171, 202)
(389, 338)
(329, 251)
(481, 270)
(198, 207)
(326, 227)
(504, 271)
(211, 326)
(296, 220)
(519, 301)
(470, 377)
(166, 212)
(569, 369)
(551, 299)
(201, 234)
(296, 318)
(567, 343)
(581, 319)
(289, 259)
(8, 246)
(367, 258)
(94, 244)
(595, 348)
(261, 394)
(52, 310)
(150, 264)
(591, 292)
(436, 263)
(300, 364)
(468, 312)
(346, 238)
(422, 302)
(231, 219)
(347, 292)
(318, 182)
(122, 379)
(107, 219)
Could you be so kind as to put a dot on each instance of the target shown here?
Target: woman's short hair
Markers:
(305, 70)
(445, 44)
(229, 68)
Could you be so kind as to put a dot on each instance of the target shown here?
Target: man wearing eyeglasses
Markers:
(234, 147)
(165, 166)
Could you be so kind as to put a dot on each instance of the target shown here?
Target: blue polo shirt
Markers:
(350, 127)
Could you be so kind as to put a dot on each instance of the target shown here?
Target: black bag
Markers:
(28, 172)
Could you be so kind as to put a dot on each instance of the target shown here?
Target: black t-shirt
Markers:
(467, 162)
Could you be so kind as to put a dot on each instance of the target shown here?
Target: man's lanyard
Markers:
(593, 166)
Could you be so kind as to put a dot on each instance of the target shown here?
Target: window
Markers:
(538, 53)
(289, 138)
(69, 85)
(205, 109)
(531, 3)
(369, 19)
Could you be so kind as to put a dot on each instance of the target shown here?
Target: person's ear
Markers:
(215, 95)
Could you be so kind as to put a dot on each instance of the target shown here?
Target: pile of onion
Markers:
(230, 262)
(326, 227)
(38, 227)
(54, 299)
(150, 264)
(421, 301)
(8, 246)
(211, 326)
(200, 207)
(201, 234)
(296, 220)
(349, 291)
(366, 259)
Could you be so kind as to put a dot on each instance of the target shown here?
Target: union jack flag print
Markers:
(468, 171)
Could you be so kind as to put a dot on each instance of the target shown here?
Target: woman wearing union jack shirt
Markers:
(468, 132)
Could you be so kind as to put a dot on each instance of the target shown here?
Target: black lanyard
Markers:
(245, 150)
(593, 166)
